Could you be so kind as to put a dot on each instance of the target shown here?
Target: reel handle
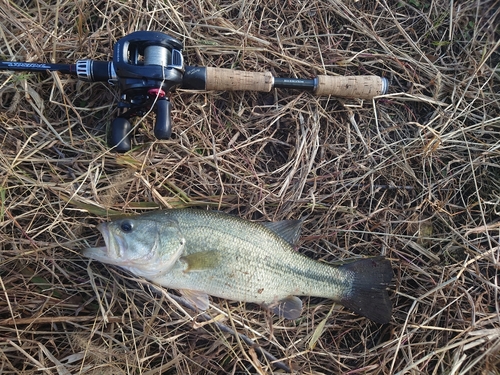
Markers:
(163, 123)
(120, 132)
(120, 137)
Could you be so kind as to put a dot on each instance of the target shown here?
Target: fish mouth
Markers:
(110, 252)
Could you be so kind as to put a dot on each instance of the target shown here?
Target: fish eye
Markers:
(126, 226)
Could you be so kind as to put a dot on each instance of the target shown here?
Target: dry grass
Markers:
(413, 175)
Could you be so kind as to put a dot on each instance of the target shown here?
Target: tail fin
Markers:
(368, 295)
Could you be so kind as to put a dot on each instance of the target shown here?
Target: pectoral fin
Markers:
(288, 308)
(197, 299)
(202, 260)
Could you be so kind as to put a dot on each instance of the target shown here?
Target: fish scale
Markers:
(205, 253)
(267, 255)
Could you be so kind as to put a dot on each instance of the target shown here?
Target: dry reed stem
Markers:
(413, 175)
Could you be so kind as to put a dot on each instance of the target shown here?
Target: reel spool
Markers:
(148, 65)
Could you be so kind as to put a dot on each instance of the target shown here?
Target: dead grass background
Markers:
(413, 175)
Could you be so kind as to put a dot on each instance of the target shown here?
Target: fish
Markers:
(202, 252)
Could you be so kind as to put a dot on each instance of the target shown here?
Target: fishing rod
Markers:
(148, 65)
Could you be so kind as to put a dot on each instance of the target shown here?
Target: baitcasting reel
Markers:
(147, 65)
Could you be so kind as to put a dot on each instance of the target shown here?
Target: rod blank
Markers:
(37, 67)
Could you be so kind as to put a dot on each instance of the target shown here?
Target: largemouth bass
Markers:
(203, 253)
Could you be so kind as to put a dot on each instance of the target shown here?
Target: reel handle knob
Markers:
(163, 124)
(119, 137)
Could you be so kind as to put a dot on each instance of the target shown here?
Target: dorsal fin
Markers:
(289, 230)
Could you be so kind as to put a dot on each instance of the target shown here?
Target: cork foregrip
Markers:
(238, 80)
(360, 87)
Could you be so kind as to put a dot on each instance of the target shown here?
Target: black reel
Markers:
(148, 65)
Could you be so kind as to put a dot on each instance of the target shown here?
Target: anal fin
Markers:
(288, 308)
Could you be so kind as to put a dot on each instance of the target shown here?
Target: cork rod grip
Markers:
(360, 87)
(238, 80)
